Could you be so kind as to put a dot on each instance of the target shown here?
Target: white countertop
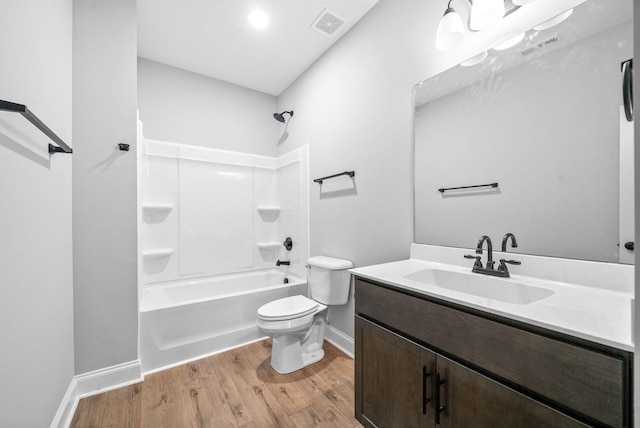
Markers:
(593, 313)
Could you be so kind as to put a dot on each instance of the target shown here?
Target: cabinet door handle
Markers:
(627, 88)
(425, 399)
(436, 393)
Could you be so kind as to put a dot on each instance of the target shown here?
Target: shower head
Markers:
(279, 116)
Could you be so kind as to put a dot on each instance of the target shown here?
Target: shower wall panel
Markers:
(216, 217)
(291, 184)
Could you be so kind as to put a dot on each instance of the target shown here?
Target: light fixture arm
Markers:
(449, 8)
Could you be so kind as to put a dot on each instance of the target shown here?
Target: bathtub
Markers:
(186, 320)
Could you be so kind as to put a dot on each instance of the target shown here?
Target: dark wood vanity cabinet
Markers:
(397, 381)
(422, 362)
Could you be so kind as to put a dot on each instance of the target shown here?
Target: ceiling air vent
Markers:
(550, 42)
(328, 23)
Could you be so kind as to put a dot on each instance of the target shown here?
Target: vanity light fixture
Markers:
(482, 15)
(258, 19)
(450, 30)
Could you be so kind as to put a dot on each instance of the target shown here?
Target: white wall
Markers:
(36, 282)
(104, 183)
(354, 108)
(187, 108)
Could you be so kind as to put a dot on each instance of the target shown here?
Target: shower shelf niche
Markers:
(271, 245)
(157, 253)
(157, 207)
(268, 209)
(268, 213)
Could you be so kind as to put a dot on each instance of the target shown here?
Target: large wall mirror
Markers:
(542, 119)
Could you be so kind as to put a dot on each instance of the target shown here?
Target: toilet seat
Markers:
(287, 308)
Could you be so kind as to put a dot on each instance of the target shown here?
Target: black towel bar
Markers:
(444, 189)
(61, 147)
(349, 173)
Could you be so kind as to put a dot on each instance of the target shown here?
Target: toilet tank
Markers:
(329, 280)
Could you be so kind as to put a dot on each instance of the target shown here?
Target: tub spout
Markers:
(283, 262)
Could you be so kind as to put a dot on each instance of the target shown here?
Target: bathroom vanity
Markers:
(553, 354)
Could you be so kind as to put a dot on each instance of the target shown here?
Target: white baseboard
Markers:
(93, 383)
(340, 340)
(68, 406)
(109, 378)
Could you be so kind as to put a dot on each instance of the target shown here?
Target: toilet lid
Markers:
(287, 308)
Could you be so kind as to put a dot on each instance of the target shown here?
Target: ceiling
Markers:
(214, 38)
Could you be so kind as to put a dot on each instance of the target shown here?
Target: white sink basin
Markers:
(505, 290)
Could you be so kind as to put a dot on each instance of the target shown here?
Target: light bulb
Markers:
(509, 43)
(485, 13)
(476, 59)
(553, 21)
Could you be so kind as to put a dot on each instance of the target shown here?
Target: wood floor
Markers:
(237, 388)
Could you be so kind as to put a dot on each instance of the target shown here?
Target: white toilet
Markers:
(297, 323)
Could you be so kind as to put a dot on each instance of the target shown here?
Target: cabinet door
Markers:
(394, 379)
(469, 399)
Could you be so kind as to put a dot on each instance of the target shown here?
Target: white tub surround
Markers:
(207, 212)
(588, 300)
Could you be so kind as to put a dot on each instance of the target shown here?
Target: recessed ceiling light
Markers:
(258, 19)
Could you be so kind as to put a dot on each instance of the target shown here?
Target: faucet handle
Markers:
(478, 263)
(502, 267)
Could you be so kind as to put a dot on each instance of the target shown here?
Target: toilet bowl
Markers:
(297, 323)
